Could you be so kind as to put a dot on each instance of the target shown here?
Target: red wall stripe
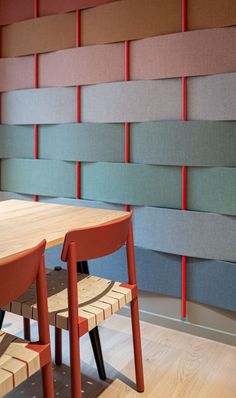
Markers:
(184, 169)
(36, 85)
(78, 115)
(127, 126)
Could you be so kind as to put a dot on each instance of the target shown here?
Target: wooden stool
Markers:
(18, 358)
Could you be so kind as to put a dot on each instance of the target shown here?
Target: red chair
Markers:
(90, 243)
(18, 358)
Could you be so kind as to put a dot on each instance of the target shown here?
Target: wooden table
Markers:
(23, 224)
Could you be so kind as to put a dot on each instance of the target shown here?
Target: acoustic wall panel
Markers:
(54, 105)
(200, 13)
(201, 52)
(41, 177)
(132, 101)
(173, 143)
(212, 97)
(134, 184)
(204, 235)
(209, 98)
(183, 54)
(89, 142)
(16, 141)
(39, 35)
(12, 10)
(190, 143)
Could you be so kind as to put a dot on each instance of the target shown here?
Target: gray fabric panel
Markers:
(82, 203)
(12, 195)
(41, 106)
(203, 235)
(208, 282)
(38, 177)
(212, 97)
(192, 143)
(16, 141)
(132, 184)
(131, 101)
(83, 141)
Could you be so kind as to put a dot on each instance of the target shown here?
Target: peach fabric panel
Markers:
(15, 10)
(130, 19)
(202, 14)
(47, 7)
(39, 35)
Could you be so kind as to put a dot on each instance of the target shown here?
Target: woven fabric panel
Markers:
(209, 98)
(174, 143)
(12, 11)
(187, 233)
(26, 176)
(182, 54)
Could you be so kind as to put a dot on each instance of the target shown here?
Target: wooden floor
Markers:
(176, 364)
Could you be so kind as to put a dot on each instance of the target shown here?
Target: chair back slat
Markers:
(19, 272)
(97, 241)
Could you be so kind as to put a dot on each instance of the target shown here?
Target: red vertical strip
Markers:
(184, 169)
(36, 85)
(127, 126)
(78, 117)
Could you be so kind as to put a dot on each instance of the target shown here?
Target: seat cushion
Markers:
(17, 362)
(98, 299)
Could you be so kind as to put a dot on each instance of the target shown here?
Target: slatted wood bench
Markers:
(99, 298)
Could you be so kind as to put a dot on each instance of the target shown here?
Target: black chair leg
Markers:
(2, 314)
(97, 351)
(94, 333)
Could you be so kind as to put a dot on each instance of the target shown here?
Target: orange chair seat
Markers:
(98, 299)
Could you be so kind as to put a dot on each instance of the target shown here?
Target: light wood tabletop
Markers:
(23, 224)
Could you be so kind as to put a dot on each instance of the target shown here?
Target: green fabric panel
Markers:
(191, 143)
(209, 189)
(212, 189)
(132, 183)
(39, 177)
(89, 142)
(16, 141)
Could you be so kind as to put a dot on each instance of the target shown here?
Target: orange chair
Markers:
(18, 358)
(90, 243)
(79, 302)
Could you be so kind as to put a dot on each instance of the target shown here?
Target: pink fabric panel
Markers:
(12, 11)
(15, 10)
(16, 73)
(201, 52)
(48, 7)
(81, 66)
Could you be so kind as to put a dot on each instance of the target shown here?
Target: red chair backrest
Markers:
(98, 241)
(18, 273)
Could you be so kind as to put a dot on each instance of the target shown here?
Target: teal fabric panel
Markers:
(132, 184)
(38, 177)
(16, 141)
(209, 189)
(12, 195)
(194, 234)
(191, 143)
(89, 142)
(212, 189)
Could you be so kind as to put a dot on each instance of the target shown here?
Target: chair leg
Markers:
(97, 351)
(2, 314)
(137, 345)
(47, 379)
(58, 349)
(26, 323)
